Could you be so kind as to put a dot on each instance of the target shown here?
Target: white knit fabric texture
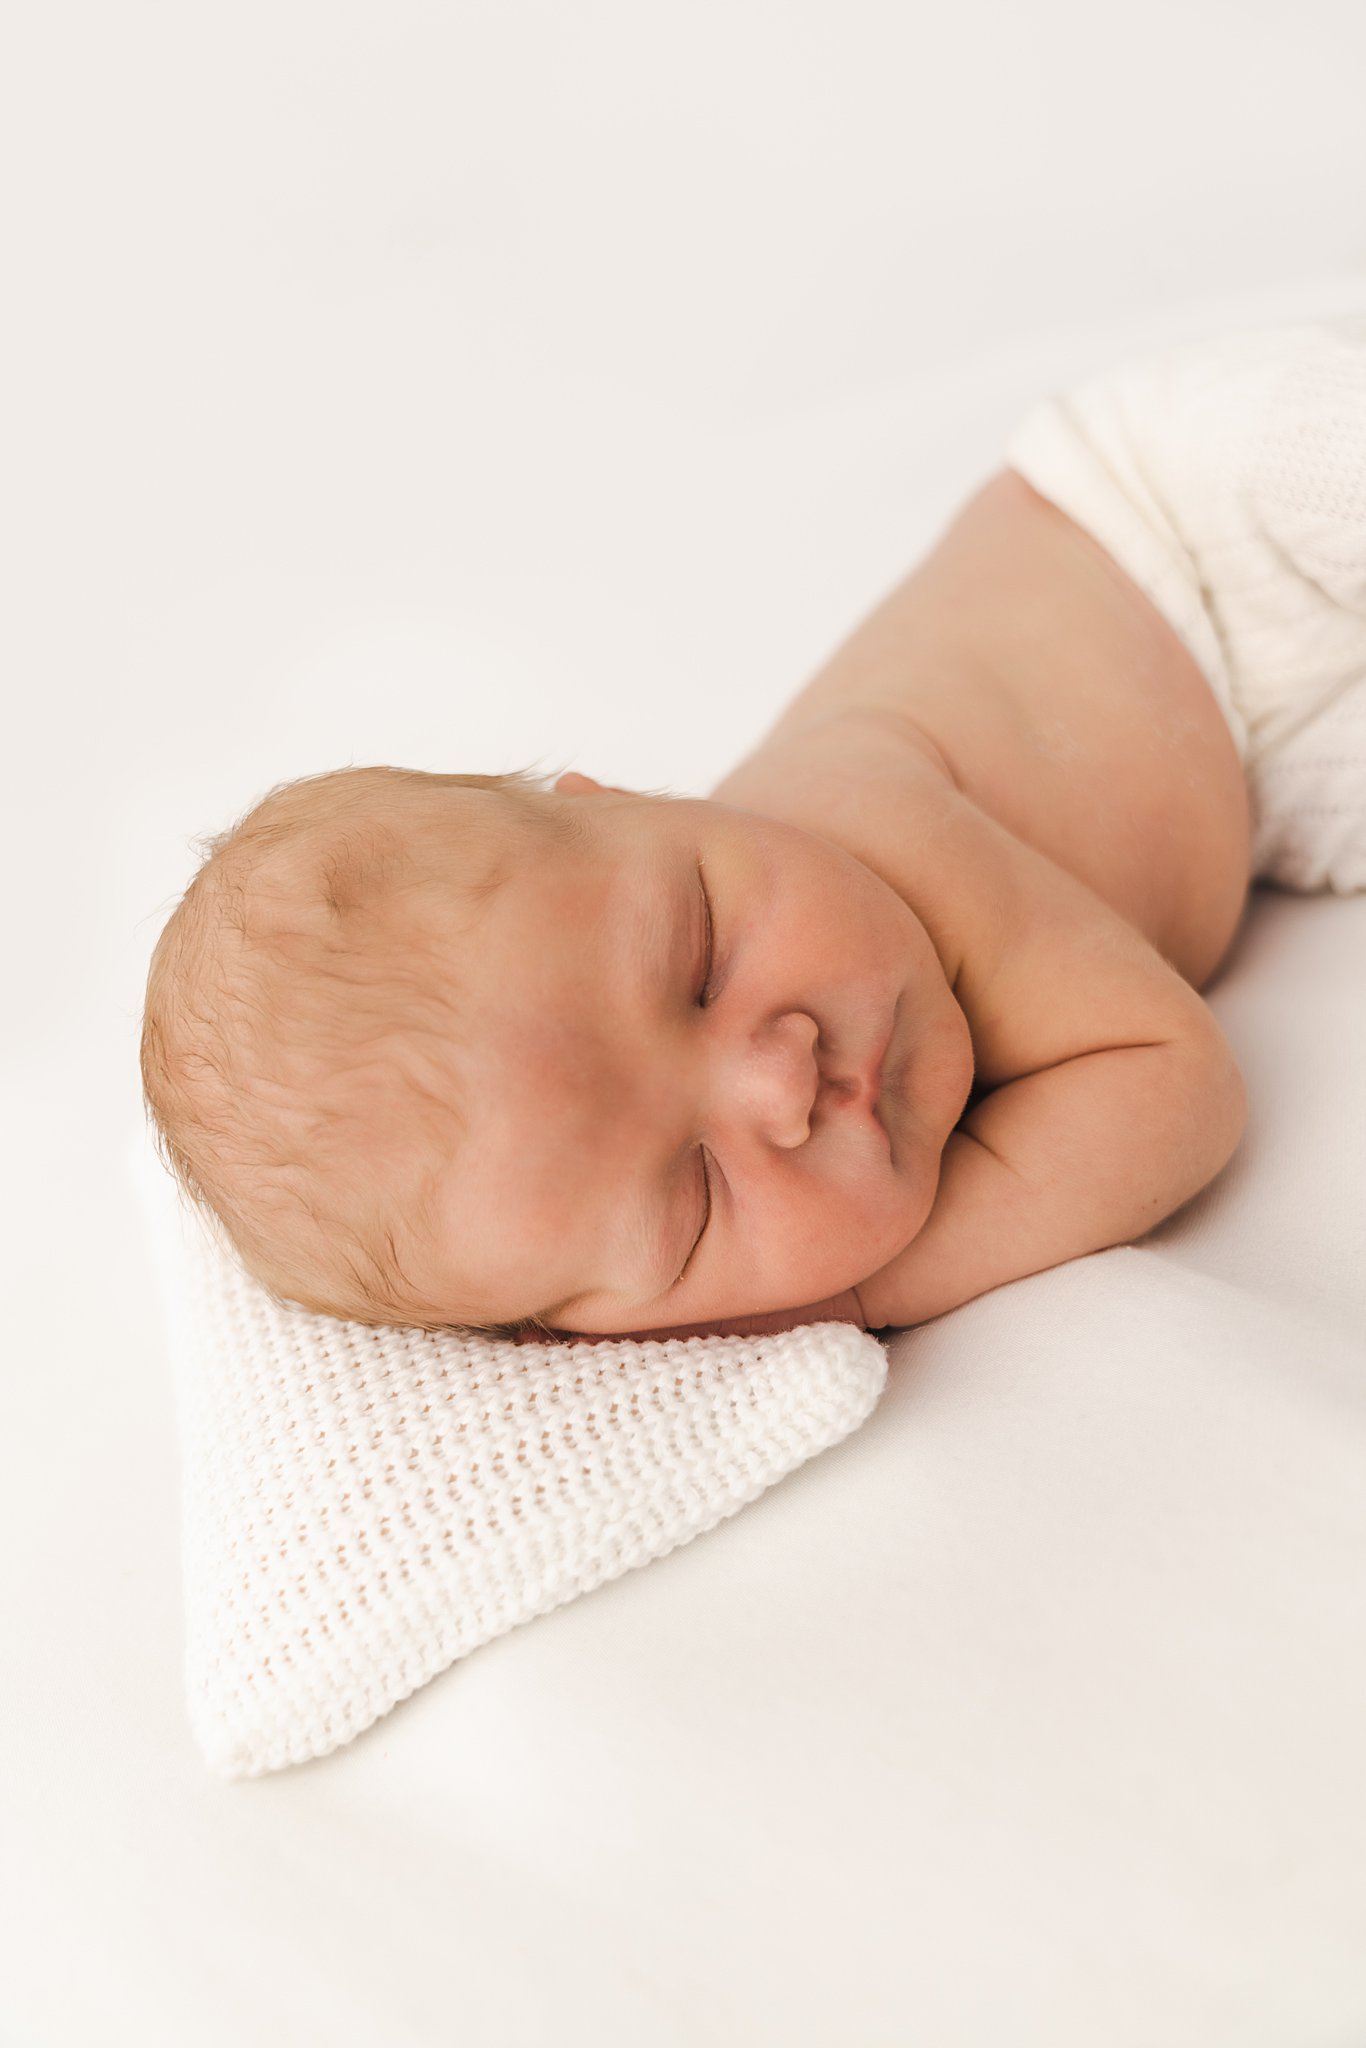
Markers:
(361, 1507)
(1227, 477)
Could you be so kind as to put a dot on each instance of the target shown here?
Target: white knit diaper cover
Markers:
(1227, 478)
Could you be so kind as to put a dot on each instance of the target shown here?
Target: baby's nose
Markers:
(770, 1081)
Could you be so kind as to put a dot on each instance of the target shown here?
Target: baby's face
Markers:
(672, 1111)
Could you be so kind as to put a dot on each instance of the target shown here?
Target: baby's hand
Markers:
(840, 1308)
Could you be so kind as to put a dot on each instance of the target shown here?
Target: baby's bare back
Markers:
(1020, 662)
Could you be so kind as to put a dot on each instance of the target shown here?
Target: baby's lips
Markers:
(840, 1308)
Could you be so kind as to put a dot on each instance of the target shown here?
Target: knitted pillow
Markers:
(361, 1507)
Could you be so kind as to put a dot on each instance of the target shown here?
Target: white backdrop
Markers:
(470, 387)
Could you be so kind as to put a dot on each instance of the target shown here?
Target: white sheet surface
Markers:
(471, 388)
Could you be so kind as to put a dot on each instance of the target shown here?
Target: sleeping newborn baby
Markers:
(906, 1009)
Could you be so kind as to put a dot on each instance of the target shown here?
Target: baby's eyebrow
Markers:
(660, 918)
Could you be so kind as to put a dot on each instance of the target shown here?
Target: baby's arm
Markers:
(1115, 1096)
(1090, 1153)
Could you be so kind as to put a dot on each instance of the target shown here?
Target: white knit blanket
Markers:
(361, 1507)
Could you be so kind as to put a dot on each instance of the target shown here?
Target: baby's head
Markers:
(305, 1009)
(459, 1049)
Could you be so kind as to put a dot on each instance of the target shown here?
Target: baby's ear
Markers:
(571, 783)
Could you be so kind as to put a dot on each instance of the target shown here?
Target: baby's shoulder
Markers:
(1019, 666)
(870, 781)
(1040, 963)
(1036, 959)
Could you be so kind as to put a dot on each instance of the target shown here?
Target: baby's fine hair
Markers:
(293, 1002)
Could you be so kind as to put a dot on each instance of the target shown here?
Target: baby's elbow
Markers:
(1222, 1105)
